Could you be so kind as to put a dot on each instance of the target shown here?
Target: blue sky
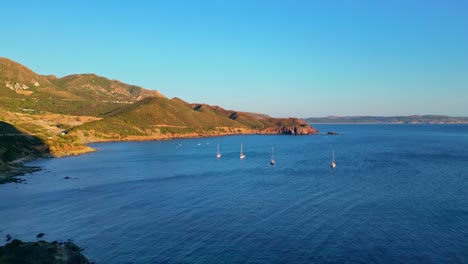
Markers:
(283, 58)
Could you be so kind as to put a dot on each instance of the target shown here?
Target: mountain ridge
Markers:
(22, 80)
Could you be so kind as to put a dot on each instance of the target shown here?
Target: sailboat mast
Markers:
(218, 154)
(333, 164)
(242, 156)
(272, 161)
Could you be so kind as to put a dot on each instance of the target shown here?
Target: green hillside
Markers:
(157, 115)
(83, 94)
(94, 87)
(15, 145)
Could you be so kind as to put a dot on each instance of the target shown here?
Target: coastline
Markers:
(17, 251)
(12, 170)
(17, 168)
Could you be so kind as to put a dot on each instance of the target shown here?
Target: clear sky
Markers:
(283, 58)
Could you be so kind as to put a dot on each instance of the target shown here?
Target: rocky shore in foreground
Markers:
(41, 252)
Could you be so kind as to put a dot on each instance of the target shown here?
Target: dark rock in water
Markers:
(289, 126)
(41, 252)
(40, 235)
(292, 130)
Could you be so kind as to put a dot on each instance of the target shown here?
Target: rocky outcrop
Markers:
(290, 126)
(18, 86)
(292, 130)
(41, 252)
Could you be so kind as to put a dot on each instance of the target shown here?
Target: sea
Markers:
(399, 194)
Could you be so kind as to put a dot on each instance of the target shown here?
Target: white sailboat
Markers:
(333, 164)
(272, 161)
(218, 154)
(242, 156)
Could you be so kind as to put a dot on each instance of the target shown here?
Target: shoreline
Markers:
(17, 168)
(187, 136)
(13, 171)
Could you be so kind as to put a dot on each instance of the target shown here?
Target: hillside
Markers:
(94, 87)
(162, 118)
(82, 94)
(57, 116)
(413, 119)
(16, 146)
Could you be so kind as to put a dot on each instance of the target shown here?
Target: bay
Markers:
(398, 195)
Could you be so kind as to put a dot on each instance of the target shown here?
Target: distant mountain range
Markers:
(65, 113)
(412, 119)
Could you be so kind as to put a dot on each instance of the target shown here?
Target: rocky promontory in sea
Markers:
(41, 252)
(291, 126)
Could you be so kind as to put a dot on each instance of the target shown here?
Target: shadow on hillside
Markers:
(17, 147)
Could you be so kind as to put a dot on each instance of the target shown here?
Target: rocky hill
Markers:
(94, 87)
(162, 118)
(79, 94)
(21, 82)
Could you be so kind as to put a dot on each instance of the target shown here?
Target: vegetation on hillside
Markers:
(156, 116)
(83, 94)
(16, 146)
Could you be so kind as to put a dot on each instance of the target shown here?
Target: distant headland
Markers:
(412, 119)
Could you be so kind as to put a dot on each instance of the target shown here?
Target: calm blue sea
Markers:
(399, 194)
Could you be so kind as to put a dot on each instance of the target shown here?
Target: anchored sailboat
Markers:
(333, 164)
(272, 161)
(242, 156)
(218, 154)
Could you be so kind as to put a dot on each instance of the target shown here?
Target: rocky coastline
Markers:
(10, 170)
(280, 130)
(41, 252)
